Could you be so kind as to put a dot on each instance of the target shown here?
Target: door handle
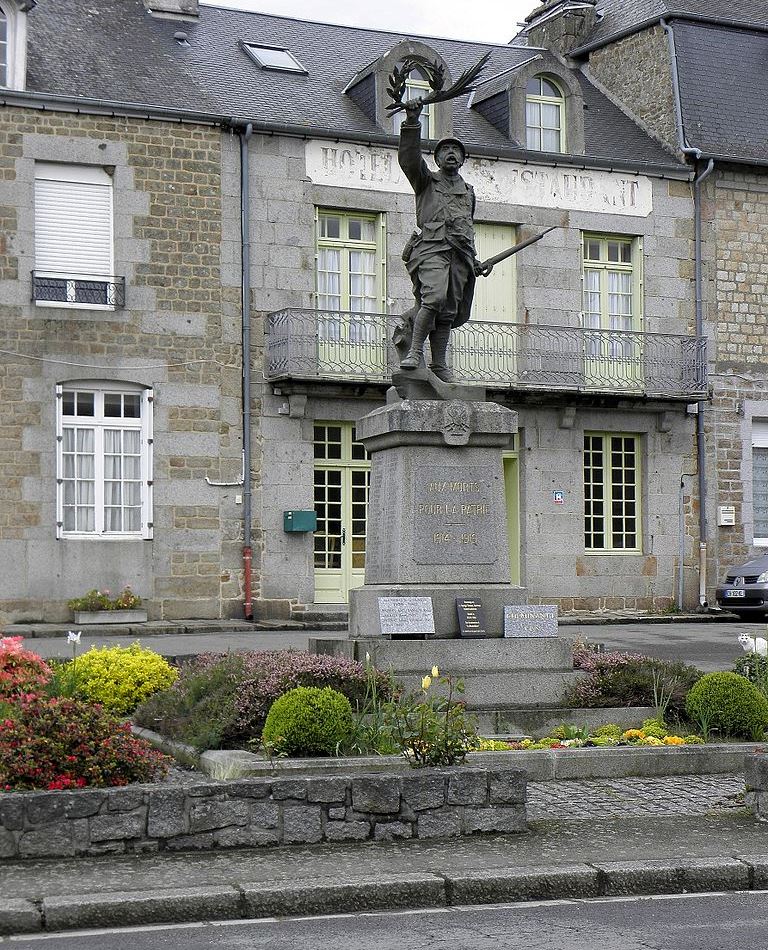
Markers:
(343, 536)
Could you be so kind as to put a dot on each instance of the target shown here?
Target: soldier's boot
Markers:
(438, 344)
(422, 325)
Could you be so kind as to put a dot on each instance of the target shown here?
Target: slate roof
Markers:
(723, 90)
(618, 16)
(113, 50)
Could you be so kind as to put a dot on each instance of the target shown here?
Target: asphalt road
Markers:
(710, 646)
(688, 922)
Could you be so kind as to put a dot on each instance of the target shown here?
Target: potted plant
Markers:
(97, 606)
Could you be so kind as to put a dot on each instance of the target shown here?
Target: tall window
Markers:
(349, 273)
(760, 482)
(74, 259)
(611, 493)
(544, 115)
(417, 85)
(611, 295)
(3, 48)
(104, 461)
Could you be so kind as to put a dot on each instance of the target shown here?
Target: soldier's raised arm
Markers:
(409, 151)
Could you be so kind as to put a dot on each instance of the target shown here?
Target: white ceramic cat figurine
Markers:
(757, 645)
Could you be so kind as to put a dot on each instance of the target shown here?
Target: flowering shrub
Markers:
(223, 700)
(630, 679)
(118, 677)
(65, 743)
(21, 671)
(101, 600)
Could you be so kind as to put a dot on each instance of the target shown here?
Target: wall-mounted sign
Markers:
(375, 168)
(530, 621)
(471, 617)
(558, 497)
(406, 616)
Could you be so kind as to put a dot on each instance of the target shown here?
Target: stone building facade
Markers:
(589, 334)
(693, 80)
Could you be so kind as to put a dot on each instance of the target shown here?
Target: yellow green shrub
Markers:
(120, 677)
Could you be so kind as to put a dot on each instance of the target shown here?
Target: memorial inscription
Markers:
(406, 616)
(535, 621)
(471, 617)
(453, 516)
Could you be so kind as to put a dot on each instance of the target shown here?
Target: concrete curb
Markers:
(243, 900)
(541, 765)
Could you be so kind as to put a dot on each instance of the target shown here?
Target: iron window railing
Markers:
(330, 345)
(83, 290)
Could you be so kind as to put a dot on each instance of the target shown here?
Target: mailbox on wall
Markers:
(299, 521)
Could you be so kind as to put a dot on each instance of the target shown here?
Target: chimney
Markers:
(173, 9)
(561, 25)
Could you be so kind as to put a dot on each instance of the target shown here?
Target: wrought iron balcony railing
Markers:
(83, 290)
(328, 345)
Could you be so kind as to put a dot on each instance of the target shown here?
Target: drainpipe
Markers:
(696, 154)
(245, 236)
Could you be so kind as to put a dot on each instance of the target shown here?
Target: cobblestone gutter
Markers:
(430, 803)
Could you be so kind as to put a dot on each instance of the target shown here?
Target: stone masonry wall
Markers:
(736, 225)
(176, 237)
(636, 72)
(430, 803)
(756, 780)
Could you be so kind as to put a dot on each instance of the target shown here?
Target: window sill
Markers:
(65, 305)
(71, 536)
(604, 553)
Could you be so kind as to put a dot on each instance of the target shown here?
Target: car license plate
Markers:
(734, 593)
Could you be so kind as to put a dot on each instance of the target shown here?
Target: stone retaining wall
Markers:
(429, 803)
(756, 782)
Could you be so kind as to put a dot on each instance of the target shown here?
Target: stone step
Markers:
(458, 656)
(538, 722)
(487, 690)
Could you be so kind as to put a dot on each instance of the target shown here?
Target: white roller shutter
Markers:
(73, 220)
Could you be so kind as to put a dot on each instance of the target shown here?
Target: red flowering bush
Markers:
(66, 743)
(21, 671)
(222, 701)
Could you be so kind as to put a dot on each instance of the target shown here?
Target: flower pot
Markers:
(85, 617)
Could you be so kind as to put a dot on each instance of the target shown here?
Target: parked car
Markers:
(745, 590)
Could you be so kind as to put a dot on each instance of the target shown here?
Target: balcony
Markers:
(78, 290)
(323, 345)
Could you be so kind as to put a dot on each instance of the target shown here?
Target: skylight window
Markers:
(274, 57)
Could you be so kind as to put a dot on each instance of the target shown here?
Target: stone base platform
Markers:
(497, 673)
(364, 618)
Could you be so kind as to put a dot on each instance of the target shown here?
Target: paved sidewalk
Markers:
(689, 833)
(639, 798)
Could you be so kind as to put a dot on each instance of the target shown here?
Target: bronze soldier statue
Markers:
(440, 255)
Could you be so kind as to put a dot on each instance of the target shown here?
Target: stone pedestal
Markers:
(437, 512)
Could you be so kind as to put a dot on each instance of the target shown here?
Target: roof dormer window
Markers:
(417, 84)
(13, 42)
(544, 115)
(274, 57)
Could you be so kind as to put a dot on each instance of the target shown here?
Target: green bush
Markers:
(222, 700)
(609, 731)
(729, 703)
(309, 721)
(117, 677)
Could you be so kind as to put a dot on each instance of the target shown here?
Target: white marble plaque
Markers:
(406, 616)
(375, 168)
(530, 621)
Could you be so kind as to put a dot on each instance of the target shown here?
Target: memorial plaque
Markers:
(533, 621)
(454, 520)
(406, 616)
(471, 617)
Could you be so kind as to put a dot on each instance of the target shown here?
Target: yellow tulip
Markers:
(435, 672)
(426, 682)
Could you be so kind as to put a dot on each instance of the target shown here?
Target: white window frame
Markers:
(78, 176)
(416, 86)
(16, 46)
(99, 423)
(540, 99)
(759, 441)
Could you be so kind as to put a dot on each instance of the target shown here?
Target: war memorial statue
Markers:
(440, 255)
